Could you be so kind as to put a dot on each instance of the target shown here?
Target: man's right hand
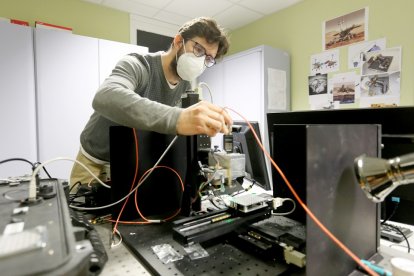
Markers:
(203, 118)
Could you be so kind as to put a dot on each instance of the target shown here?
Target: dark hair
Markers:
(207, 28)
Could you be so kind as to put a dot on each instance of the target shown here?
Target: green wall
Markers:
(298, 30)
(85, 18)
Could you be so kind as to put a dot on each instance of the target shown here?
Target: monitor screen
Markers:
(245, 142)
(397, 138)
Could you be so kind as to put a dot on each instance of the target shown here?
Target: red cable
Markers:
(308, 211)
(136, 192)
(146, 221)
(133, 181)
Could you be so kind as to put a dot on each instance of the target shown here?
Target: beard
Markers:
(173, 64)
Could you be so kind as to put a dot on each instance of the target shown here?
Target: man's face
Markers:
(199, 47)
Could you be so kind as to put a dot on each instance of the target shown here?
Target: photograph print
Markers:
(346, 29)
(318, 84)
(383, 61)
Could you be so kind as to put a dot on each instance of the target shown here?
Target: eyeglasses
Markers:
(200, 51)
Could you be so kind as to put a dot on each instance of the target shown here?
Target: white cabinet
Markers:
(17, 99)
(47, 82)
(69, 70)
(253, 83)
(67, 77)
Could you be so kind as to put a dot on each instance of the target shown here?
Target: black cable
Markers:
(34, 165)
(44, 169)
(74, 196)
(215, 205)
(79, 193)
(77, 203)
(74, 185)
(217, 195)
(391, 215)
(238, 192)
(402, 234)
(16, 159)
(253, 182)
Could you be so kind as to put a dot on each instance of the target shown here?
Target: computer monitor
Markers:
(245, 142)
(397, 138)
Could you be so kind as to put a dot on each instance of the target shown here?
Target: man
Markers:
(144, 91)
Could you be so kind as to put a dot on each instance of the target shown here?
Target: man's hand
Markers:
(203, 118)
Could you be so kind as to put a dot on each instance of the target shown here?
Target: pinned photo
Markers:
(384, 61)
(346, 29)
(318, 84)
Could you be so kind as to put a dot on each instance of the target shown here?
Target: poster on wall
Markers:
(381, 78)
(318, 84)
(344, 87)
(276, 89)
(380, 90)
(384, 61)
(345, 30)
(325, 62)
(319, 98)
(355, 52)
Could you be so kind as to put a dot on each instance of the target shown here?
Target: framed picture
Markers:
(346, 29)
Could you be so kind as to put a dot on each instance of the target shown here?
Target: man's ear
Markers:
(178, 41)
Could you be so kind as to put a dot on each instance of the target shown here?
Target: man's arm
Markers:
(117, 100)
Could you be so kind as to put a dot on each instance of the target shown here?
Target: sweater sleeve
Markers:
(117, 100)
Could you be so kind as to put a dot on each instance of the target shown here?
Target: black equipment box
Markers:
(39, 239)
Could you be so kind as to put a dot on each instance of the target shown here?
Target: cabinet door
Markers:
(17, 99)
(237, 83)
(242, 83)
(67, 78)
(110, 52)
(213, 90)
(243, 86)
(69, 70)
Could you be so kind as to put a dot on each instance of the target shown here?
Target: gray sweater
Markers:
(137, 95)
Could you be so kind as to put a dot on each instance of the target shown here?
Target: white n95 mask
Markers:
(189, 67)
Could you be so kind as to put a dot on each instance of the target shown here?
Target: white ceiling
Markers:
(165, 16)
